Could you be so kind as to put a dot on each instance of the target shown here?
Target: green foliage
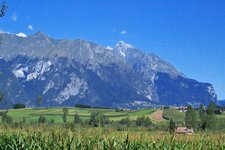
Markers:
(211, 108)
(210, 117)
(97, 119)
(191, 118)
(19, 106)
(172, 126)
(202, 113)
(102, 120)
(93, 119)
(52, 121)
(82, 106)
(77, 119)
(6, 118)
(65, 112)
(119, 110)
(202, 117)
(64, 117)
(143, 121)
(125, 121)
(42, 119)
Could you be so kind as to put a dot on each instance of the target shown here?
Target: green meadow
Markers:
(32, 114)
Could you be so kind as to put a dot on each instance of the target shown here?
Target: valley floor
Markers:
(43, 128)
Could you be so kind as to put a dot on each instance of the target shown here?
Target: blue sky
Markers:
(190, 34)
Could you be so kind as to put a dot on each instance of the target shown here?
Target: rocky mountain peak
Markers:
(40, 36)
(121, 48)
(123, 45)
(67, 72)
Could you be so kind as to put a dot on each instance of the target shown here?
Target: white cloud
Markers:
(21, 34)
(123, 32)
(109, 48)
(30, 27)
(14, 17)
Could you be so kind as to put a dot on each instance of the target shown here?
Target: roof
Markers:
(184, 130)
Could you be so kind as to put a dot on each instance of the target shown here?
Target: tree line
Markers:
(202, 118)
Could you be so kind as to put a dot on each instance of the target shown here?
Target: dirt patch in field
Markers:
(157, 116)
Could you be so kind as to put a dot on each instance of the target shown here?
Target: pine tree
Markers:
(65, 112)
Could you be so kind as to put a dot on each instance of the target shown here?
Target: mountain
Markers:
(67, 72)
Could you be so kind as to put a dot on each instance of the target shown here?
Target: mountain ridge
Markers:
(85, 72)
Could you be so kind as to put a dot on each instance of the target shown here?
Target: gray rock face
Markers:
(67, 72)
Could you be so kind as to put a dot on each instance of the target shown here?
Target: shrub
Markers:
(143, 121)
(102, 120)
(172, 126)
(19, 106)
(118, 110)
(82, 106)
(125, 121)
(42, 119)
(52, 121)
(98, 119)
(76, 119)
(93, 119)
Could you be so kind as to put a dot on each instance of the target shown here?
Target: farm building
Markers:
(184, 130)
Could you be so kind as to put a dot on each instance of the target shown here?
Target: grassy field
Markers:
(56, 113)
(59, 136)
(174, 114)
(32, 114)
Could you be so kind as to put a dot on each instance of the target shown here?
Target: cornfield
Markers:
(55, 138)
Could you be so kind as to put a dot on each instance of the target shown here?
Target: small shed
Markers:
(184, 130)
